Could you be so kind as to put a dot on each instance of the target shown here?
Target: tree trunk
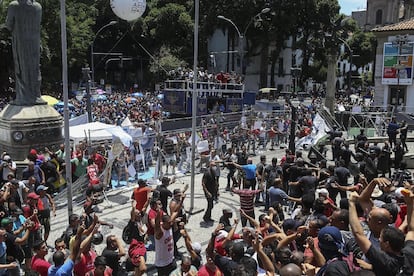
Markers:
(272, 73)
(264, 61)
(330, 84)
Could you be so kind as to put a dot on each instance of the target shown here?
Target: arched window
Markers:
(378, 17)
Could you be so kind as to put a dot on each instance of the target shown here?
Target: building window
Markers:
(378, 17)
(280, 87)
(280, 72)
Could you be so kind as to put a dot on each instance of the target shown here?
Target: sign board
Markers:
(398, 64)
(234, 104)
(108, 88)
(174, 102)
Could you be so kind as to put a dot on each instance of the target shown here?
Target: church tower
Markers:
(386, 12)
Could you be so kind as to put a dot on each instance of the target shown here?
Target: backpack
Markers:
(126, 233)
(348, 259)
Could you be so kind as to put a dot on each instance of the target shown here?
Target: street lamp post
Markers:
(64, 47)
(295, 71)
(243, 35)
(93, 42)
(87, 79)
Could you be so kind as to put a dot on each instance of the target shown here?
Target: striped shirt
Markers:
(247, 199)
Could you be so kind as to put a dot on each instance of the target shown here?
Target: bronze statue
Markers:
(23, 20)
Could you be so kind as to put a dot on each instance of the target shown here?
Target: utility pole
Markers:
(330, 83)
(87, 78)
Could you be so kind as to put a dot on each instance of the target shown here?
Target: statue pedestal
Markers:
(29, 127)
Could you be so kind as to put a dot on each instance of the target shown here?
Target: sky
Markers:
(348, 6)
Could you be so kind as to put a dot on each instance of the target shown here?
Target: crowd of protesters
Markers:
(309, 224)
(347, 214)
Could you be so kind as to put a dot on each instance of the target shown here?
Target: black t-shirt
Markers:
(68, 234)
(15, 198)
(308, 183)
(134, 231)
(260, 168)
(242, 158)
(225, 264)
(336, 268)
(362, 137)
(164, 194)
(112, 260)
(408, 253)
(13, 250)
(209, 180)
(49, 169)
(272, 172)
(342, 175)
(384, 264)
(286, 172)
(295, 172)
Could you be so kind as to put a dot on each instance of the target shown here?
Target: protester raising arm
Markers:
(271, 238)
(188, 244)
(317, 255)
(269, 219)
(252, 221)
(74, 254)
(408, 253)
(84, 247)
(365, 197)
(362, 240)
(210, 247)
(230, 235)
(288, 239)
(409, 199)
(266, 261)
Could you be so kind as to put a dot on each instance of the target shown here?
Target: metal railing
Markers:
(203, 87)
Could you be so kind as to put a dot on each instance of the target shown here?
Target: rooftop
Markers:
(405, 25)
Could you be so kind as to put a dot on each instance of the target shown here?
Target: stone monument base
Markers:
(23, 128)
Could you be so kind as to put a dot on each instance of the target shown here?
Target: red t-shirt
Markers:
(85, 264)
(152, 214)
(401, 215)
(308, 252)
(140, 195)
(328, 208)
(205, 271)
(99, 160)
(40, 265)
(28, 211)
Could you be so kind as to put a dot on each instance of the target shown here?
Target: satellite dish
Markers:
(128, 10)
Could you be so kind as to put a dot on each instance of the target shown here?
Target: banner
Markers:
(202, 106)
(174, 101)
(234, 104)
(319, 131)
(397, 64)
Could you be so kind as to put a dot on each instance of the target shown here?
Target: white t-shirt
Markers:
(164, 249)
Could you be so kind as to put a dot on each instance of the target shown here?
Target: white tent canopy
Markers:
(97, 131)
